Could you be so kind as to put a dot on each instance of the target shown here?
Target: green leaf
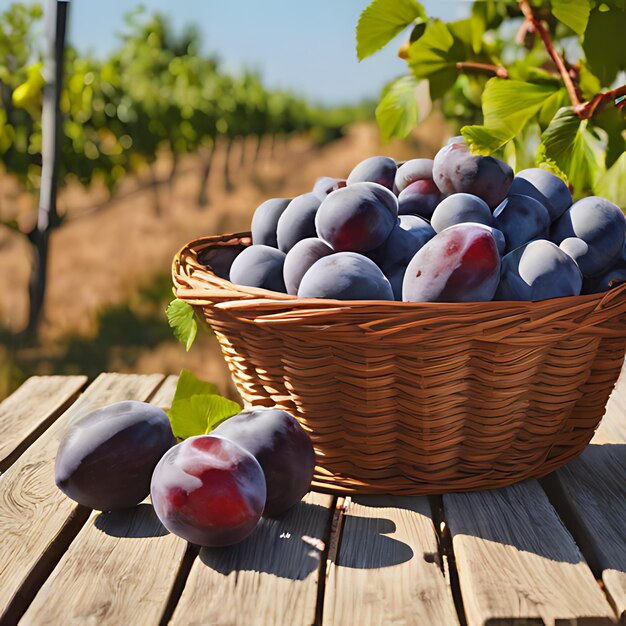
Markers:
(575, 148)
(603, 44)
(483, 140)
(550, 107)
(588, 82)
(190, 385)
(611, 184)
(397, 111)
(511, 103)
(181, 319)
(381, 21)
(508, 105)
(200, 414)
(432, 51)
(441, 82)
(573, 13)
(613, 122)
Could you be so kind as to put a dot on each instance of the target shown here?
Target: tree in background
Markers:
(536, 83)
(154, 94)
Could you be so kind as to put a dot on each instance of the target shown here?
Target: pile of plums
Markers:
(458, 228)
(210, 489)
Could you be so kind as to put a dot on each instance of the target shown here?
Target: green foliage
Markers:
(154, 92)
(525, 114)
(573, 146)
(381, 21)
(197, 408)
(573, 13)
(182, 320)
(397, 112)
(508, 105)
(604, 43)
(611, 183)
(189, 384)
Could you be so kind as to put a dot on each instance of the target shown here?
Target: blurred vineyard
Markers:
(160, 146)
(154, 93)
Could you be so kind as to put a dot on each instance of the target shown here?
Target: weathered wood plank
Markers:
(517, 562)
(387, 569)
(31, 409)
(590, 495)
(613, 425)
(121, 565)
(37, 521)
(119, 570)
(270, 578)
(165, 393)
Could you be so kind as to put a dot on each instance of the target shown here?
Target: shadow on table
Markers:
(535, 517)
(364, 540)
(139, 522)
(290, 546)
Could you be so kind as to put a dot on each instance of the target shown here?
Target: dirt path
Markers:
(100, 257)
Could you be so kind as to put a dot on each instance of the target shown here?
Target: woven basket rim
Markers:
(269, 298)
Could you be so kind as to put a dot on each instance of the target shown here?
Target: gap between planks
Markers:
(387, 567)
(589, 494)
(517, 566)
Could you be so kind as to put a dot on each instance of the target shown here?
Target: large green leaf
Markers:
(200, 414)
(181, 319)
(381, 21)
(575, 148)
(508, 105)
(485, 140)
(397, 110)
(197, 408)
(190, 385)
(573, 13)
(433, 51)
(604, 43)
(611, 185)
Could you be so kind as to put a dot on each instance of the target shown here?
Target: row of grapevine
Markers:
(154, 92)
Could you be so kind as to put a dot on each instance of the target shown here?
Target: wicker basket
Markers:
(416, 398)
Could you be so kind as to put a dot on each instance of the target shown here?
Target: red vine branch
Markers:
(599, 101)
(498, 70)
(547, 42)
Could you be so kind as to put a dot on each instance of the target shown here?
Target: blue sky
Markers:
(304, 46)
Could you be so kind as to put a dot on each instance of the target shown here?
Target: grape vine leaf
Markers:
(573, 13)
(200, 414)
(381, 21)
(508, 105)
(397, 111)
(485, 141)
(604, 44)
(432, 51)
(181, 318)
(575, 148)
(611, 184)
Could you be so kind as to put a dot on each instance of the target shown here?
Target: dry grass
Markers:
(106, 250)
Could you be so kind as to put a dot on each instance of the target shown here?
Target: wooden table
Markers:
(548, 552)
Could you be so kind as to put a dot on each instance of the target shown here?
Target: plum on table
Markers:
(209, 491)
(105, 459)
(282, 448)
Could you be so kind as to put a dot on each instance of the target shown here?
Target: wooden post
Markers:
(55, 25)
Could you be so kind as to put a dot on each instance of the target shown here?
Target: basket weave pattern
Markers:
(417, 398)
